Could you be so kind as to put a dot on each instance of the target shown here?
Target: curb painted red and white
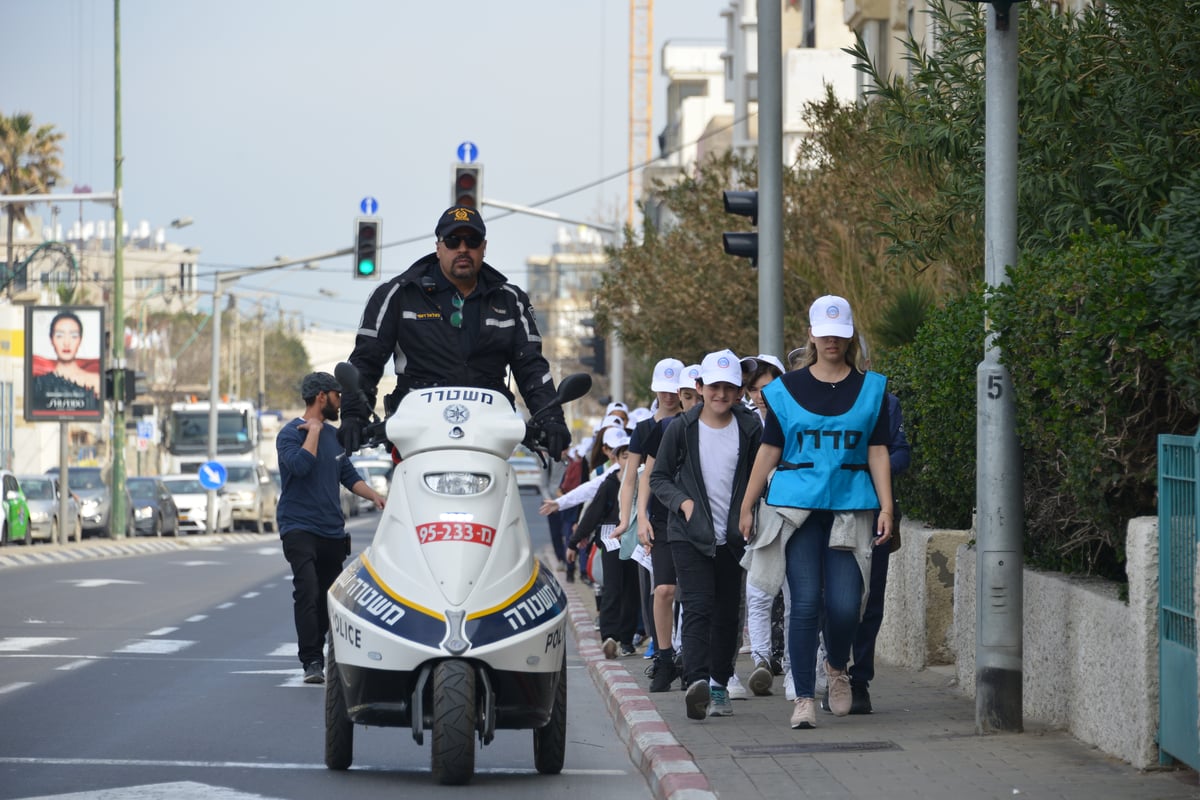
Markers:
(666, 764)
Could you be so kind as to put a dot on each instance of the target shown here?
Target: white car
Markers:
(192, 501)
(379, 472)
(529, 472)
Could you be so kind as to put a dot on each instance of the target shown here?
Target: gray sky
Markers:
(267, 121)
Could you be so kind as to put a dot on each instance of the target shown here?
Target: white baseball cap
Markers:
(616, 405)
(830, 316)
(721, 366)
(638, 415)
(688, 377)
(615, 437)
(666, 375)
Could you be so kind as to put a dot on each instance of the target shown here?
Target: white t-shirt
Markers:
(718, 463)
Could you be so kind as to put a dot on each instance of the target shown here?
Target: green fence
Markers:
(1178, 534)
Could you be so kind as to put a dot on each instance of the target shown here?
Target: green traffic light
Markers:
(366, 267)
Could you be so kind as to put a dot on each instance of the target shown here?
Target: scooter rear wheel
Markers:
(339, 730)
(454, 715)
(550, 741)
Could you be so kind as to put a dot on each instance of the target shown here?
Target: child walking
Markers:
(700, 475)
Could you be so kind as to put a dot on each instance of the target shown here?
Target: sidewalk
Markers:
(15, 555)
(919, 743)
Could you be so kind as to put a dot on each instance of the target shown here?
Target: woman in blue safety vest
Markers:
(825, 439)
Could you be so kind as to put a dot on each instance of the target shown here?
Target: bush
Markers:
(1083, 339)
(934, 377)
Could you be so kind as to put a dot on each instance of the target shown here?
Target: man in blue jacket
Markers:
(309, 515)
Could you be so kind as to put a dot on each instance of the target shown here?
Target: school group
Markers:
(750, 487)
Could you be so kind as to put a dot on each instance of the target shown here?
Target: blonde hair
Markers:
(810, 355)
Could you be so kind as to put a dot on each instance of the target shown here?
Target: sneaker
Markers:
(789, 686)
(679, 669)
(314, 672)
(860, 699)
(649, 650)
(735, 688)
(662, 673)
(839, 690)
(696, 699)
(718, 703)
(761, 678)
(627, 650)
(803, 715)
(596, 624)
(638, 639)
(776, 666)
(610, 647)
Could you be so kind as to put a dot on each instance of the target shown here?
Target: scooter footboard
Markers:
(505, 699)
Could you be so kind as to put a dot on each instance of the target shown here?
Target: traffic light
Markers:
(467, 189)
(133, 384)
(742, 243)
(594, 350)
(367, 253)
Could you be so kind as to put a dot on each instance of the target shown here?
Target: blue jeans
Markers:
(820, 580)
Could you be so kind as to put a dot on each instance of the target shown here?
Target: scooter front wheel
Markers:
(339, 730)
(454, 715)
(550, 741)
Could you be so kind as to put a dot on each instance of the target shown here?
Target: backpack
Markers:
(572, 476)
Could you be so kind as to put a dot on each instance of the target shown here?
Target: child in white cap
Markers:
(700, 475)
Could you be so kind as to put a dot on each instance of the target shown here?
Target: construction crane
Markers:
(641, 102)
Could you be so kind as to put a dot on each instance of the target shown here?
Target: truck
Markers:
(186, 434)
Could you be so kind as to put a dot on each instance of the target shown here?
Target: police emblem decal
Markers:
(456, 414)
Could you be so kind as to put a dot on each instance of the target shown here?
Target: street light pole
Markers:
(116, 520)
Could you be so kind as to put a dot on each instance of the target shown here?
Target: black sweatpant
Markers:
(619, 597)
(709, 590)
(316, 562)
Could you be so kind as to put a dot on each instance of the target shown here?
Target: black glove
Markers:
(350, 434)
(355, 416)
(557, 437)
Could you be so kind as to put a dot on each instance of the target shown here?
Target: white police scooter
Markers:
(446, 621)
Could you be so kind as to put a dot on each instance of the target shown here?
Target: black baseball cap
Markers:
(316, 382)
(456, 217)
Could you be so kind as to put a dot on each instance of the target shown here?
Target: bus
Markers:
(238, 434)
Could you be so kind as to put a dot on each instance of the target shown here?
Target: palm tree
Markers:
(30, 163)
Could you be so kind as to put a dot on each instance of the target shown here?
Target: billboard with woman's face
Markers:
(64, 363)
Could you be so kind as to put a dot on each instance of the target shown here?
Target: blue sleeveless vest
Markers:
(824, 461)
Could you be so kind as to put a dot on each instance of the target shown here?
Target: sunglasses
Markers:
(457, 302)
(474, 241)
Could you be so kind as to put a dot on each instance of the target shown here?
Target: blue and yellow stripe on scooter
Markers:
(360, 590)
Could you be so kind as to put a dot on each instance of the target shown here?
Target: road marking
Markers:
(181, 790)
(12, 687)
(295, 677)
(162, 631)
(93, 583)
(83, 662)
(145, 762)
(249, 595)
(157, 647)
(197, 618)
(285, 649)
(226, 605)
(21, 644)
(200, 563)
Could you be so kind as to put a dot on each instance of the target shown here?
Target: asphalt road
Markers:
(175, 675)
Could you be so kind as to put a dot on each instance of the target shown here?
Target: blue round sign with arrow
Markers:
(212, 475)
(467, 152)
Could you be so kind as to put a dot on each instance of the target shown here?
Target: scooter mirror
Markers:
(573, 387)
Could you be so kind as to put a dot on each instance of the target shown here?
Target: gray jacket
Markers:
(677, 477)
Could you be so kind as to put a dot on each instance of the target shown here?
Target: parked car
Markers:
(153, 507)
(529, 472)
(95, 500)
(42, 493)
(14, 527)
(379, 472)
(253, 495)
(191, 500)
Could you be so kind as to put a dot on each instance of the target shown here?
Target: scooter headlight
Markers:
(458, 483)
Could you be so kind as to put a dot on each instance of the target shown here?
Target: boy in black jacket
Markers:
(619, 601)
(700, 475)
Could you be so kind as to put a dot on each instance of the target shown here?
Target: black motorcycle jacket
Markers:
(405, 321)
